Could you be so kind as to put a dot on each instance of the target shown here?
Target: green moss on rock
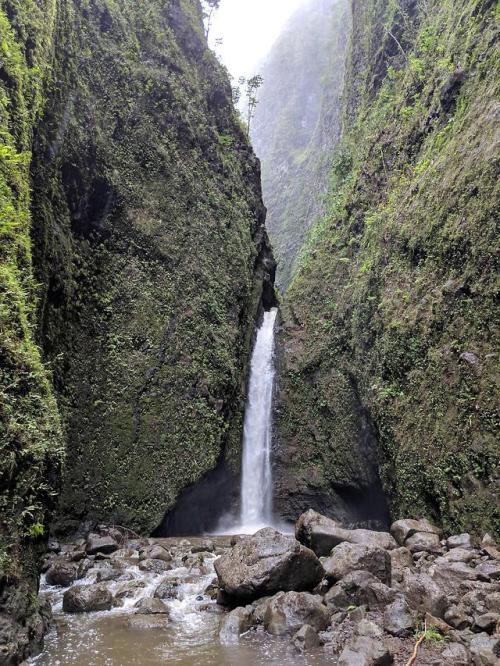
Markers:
(397, 287)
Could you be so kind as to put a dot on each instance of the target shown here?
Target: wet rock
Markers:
(62, 573)
(87, 598)
(150, 606)
(259, 609)
(168, 589)
(108, 573)
(359, 588)
(235, 623)
(142, 622)
(398, 618)
(306, 639)
(155, 552)
(100, 544)
(265, 563)
(459, 541)
(401, 530)
(485, 650)
(348, 557)
(53, 546)
(423, 594)
(154, 566)
(287, 612)
(401, 561)
(128, 589)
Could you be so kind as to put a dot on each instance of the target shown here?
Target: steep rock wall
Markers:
(297, 123)
(394, 307)
(134, 261)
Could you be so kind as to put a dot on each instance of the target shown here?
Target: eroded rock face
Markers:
(267, 563)
(287, 612)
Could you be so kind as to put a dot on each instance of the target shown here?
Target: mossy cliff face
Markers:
(150, 244)
(30, 433)
(391, 319)
(297, 123)
(133, 251)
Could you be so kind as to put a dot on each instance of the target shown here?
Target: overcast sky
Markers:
(248, 29)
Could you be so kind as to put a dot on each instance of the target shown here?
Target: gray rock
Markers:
(100, 544)
(459, 541)
(423, 541)
(398, 618)
(457, 555)
(259, 609)
(485, 650)
(423, 594)
(167, 589)
(155, 552)
(287, 612)
(62, 573)
(365, 651)
(321, 534)
(457, 617)
(489, 570)
(401, 530)
(348, 557)
(150, 606)
(154, 566)
(265, 563)
(486, 622)
(359, 588)
(401, 561)
(87, 598)
(456, 654)
(450, 575)
(235, 623)
(306, 639)
(469, 358)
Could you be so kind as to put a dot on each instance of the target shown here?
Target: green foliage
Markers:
(413, 211)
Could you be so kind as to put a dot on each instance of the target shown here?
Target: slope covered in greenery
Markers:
(133, 262)
(391, 323)
(297, 122)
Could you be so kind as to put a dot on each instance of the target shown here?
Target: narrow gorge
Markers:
(249, 395)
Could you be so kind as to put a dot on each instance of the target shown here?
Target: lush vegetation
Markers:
(395, 295)
(297, 122)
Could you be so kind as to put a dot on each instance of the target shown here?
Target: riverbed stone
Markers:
(265, 563)
(235, 623)
(87, 598)
(155, 566)
(306, 638)
(402, 530)
(347, 557)
(62, 573)
(150, 606)
(287, 612)
(155, 552)
(168, 588)
(100, 544)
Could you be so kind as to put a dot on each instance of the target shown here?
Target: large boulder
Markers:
(321, 534)
(87, 598)
(265, 563)
(287, 612)
(401, 561)
(366, 648)
(398, 618)
(423, 594)
(100, 544)
(306, 639)
(485, 650)
(62, 573)
(359, 588)
(402, 530)
(347, 557)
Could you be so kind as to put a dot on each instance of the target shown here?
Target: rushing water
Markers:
(188, 637)
(256, 484)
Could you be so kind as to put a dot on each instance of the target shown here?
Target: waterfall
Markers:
(256, 485)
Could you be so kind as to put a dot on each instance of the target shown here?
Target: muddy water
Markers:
(189, 637)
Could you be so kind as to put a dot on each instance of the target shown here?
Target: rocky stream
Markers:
(329, 595)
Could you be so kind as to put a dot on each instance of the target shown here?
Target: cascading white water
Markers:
(256, 485)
